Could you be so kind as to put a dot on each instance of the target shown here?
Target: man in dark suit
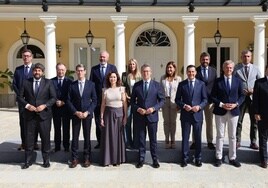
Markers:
(191, 97)
(207, 74)
(61, 115)
(227, 95)
(97, 75)
(82, 100)
(146, 99)
(37, 95)
(260, 104)
(21, 73)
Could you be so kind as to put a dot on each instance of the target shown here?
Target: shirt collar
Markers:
(83, 81)
(37, 80)
(193, 80)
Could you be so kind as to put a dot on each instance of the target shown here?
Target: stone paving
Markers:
(125, 175)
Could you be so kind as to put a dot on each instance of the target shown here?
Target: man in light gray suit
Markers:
(248, 73)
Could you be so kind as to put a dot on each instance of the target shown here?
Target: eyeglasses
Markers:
(27, 56)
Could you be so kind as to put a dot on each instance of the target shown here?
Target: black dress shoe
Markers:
(21, 147)
(192, 146)
(183, 164)
(36, 147)
(56, 149)
(140, 164)
(211, 146)
(97, 146)
(235, 163)
(86, 164)
(26, 165)
(66, 149)
(156, 164)
(198, 163)
(218, 162)
(46, 165)
(263, 164)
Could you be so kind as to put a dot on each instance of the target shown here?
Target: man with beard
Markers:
(37, 95)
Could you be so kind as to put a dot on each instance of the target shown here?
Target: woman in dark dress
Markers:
(113, 119)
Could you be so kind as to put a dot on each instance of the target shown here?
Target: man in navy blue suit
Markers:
(61, 115)
(82, 100)
(21, 73)
(97, 75)
(191, 97)
(227, 95)
(146, 99)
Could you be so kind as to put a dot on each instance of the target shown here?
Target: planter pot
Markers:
(7, 100)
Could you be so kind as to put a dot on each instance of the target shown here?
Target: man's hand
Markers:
(31, 108)
(196, 108)
(141, 111)
(59, 103)
(257, 117)
(149, 110)
(79, 114)
(187, 107)
(40, 108)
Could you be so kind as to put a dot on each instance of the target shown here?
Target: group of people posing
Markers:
(126, 108)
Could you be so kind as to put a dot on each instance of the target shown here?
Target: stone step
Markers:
(10, 154)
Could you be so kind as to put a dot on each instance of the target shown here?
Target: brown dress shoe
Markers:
(86, 163)
(74, 163)
(254, 146)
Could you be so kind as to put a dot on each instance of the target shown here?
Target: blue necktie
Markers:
(205, 74)
(146, 88)
(191, 87)
(102, 72)
(26, 71)
(228, 85)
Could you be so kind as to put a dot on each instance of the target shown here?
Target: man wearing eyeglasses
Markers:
(21, 73)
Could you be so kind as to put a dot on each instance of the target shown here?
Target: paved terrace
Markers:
(170, 174)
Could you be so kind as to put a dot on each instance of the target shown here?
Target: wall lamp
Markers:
(118, 6)
(191, 7)
(89, 35)
(153, 34)
(25, 37)
(264, 6)
(58, 49)
(44, 6)
(217, 35)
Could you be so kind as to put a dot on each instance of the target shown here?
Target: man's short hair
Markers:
(39, 66)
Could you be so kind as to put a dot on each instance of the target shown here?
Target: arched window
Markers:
(37, 52)
(144, 38)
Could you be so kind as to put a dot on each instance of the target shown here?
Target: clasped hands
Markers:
(145, 111)
(36, 109)
(81, 115)
(229, 106)
(189, 108)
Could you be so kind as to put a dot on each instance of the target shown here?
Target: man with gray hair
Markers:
(227, 95)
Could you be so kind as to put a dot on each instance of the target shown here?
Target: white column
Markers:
(189, 41)
(120, 45)
(259, 42)
(50, 45)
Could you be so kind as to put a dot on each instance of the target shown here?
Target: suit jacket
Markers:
(19, 77)
(220, 94)
(260, 98)
(46, 95)
(155, 98)
(174, 86)
(184, 97)
(253, 75)
(212, 75)
(95, 76)
(62, 94)
(87, 102)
